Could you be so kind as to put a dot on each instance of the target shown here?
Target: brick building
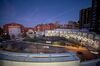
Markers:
(14, 30)
(43, 27)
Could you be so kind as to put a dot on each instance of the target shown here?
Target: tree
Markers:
(1, 31)
(1, 34)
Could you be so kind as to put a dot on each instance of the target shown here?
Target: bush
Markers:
(58, 43)
(30, 39)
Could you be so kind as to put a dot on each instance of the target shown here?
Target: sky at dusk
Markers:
(33, 12)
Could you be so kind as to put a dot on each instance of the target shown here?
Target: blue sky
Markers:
(33, 12)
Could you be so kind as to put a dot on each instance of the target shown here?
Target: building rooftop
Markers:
(35, 53)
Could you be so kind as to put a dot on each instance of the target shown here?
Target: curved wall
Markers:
(14, 63)
(32, 57)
